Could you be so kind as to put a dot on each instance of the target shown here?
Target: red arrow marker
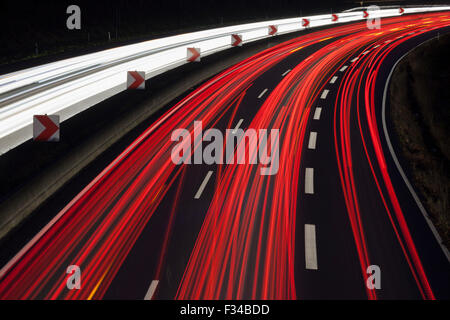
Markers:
(236, 40)
(135, 80)
(51, 128)
(273, 30)
(401, 10)
(193, 54)
(305, 22)
(334, 17)
(365, 14)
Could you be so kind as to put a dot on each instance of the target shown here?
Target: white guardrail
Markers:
(68, 98)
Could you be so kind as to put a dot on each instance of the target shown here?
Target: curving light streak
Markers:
(105, 71)
(246, 246)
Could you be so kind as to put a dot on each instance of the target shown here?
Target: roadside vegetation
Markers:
(420, 112)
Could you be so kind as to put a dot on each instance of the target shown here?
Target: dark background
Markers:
(36, 28)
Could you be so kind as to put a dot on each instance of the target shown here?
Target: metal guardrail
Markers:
(70, 86)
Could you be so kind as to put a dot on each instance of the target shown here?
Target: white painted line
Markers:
(312, 140)
(333, 80)
(151, 290)
(317, 113)
(366, 52)
(203, 185)
(324, 94)
(397, 163)
(343, 69)
(310, 247)
(262, 93)
(354, 60)
(309, 181)
(237, 126)
(387, 41)
(287, 71)
(376, 46)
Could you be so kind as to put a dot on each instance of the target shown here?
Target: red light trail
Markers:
(246, 246)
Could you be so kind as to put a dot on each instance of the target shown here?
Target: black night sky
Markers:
(25, 25)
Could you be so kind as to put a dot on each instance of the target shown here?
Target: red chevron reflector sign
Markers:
(46, 128)
(136, 80)
(273, 30)
(365, 14)
(236, 40)
(193, 54)
(334, 17)
(401, 10)
(305, 22)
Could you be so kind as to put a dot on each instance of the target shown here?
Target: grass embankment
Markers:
(420, 112)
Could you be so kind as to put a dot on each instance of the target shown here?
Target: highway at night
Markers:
(335, 200)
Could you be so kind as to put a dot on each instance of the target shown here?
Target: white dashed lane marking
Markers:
(317, 113)
(309, 181)
(312, 140)
(287, 71)
(203, 185)
(151, 290)
(310, 247)
(262, 93)
(324, 94)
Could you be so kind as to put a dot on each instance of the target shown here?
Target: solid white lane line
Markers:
(237, 126)
(287, 71)
(262, 93)
(317, 113)
(333, 80)
(354, 60)
(310, 247)
(312, 140)
(343, 68)
(309, 181)
(203, 185)
(324, 94)
(151, 290)
(397, 163)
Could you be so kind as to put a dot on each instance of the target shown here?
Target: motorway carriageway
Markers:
(148, 229)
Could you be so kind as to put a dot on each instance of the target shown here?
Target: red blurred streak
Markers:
(254, 231)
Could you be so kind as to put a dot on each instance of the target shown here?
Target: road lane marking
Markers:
(324, 94)
(317, 113)
(343, 68)
(312, 140)
(203, 185)
(399, 167)
(376, 46)
(333, 80)
(287, 71)
(237, 126)
(365, 52)
(151, 290)
(262, 93)
(309, 181)
(310, 247)
(355, 59)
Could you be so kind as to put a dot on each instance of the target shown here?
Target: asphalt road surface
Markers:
(336, 205)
